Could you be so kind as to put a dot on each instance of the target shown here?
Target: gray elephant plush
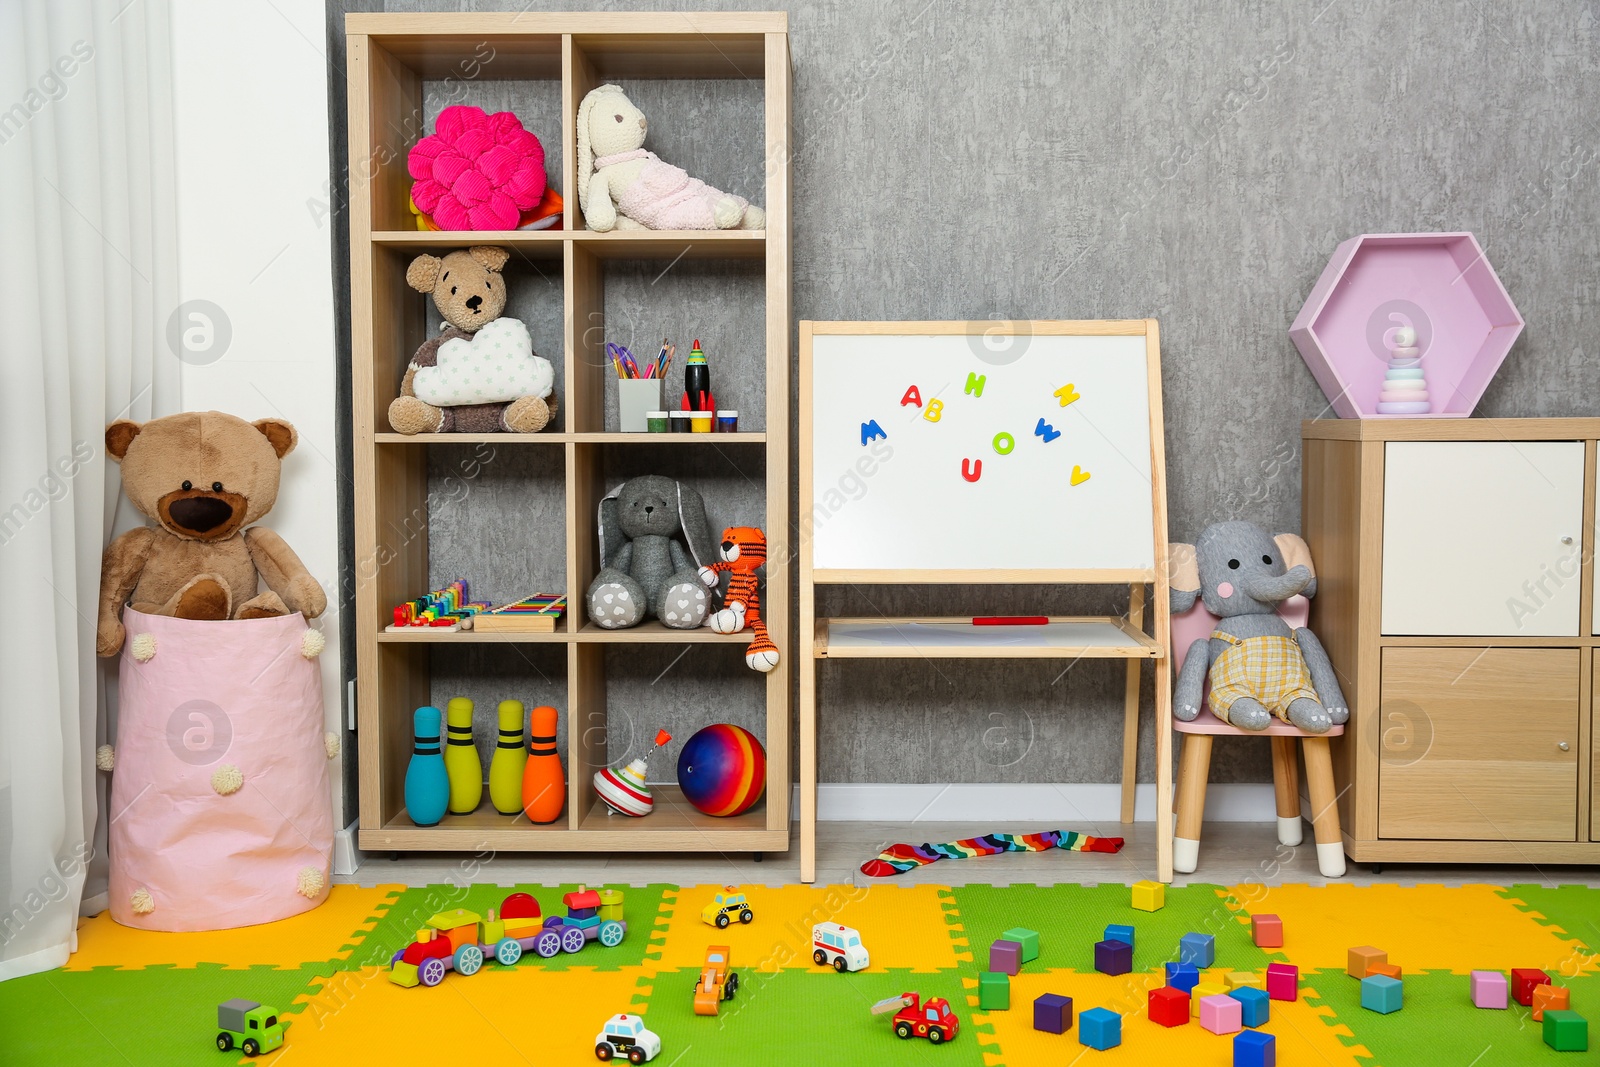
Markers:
(654, 538)
(1259, 666)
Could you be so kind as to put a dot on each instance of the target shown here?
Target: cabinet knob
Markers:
(1567, 540)
(1563, 746)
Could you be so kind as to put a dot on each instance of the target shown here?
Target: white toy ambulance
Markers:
(838, 947)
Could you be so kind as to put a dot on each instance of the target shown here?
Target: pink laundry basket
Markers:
(220, 809)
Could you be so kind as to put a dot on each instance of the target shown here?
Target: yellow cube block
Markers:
(1201, 992)
(1149, 896)
(1240, 979)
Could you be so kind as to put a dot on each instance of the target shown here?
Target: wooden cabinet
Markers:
(1456, 600)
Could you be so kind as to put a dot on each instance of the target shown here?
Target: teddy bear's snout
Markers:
(201, 514)
(474, 303)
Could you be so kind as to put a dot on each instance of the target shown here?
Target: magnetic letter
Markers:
(871, 430)
(935, 410)
(1046, 431)
(972, 469)
(1067, 394)
(911, 397)
(975, 383)
(1004, 443)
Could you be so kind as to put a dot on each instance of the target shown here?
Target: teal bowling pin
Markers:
(427, 783)
(461, 760)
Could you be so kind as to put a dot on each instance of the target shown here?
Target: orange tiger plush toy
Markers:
(743, 551)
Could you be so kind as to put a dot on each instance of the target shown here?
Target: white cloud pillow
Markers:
(496, 364)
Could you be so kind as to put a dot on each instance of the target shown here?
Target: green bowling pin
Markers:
(505, 768)
(461, 760)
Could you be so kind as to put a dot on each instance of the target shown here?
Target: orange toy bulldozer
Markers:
(716, 983)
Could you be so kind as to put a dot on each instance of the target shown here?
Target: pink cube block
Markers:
(1005, 957)
(1489, 989)
(1221, 1015)
(1283, 981)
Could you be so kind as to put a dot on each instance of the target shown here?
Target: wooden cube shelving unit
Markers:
(391, 57)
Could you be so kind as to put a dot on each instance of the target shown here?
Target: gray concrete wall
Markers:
(1192, 162)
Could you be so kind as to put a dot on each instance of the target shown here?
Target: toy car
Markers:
(717, 981)
(839, 947)
(626, 1036)
(725, 907)
(253, 1028)
(933, 1020)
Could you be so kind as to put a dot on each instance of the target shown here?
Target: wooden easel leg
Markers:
(1130, 710)
(1163, 698)
(808, 757)
(1286, 780)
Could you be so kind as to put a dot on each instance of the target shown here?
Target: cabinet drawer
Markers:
(1482, 538)
(1472, 744)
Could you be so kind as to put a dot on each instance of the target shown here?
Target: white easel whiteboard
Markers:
(1073, 494)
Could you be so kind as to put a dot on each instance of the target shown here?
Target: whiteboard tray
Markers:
(1067, 637)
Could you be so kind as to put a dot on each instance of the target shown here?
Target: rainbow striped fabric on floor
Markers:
(897, 859)
(131, 997)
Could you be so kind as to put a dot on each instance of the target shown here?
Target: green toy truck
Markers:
(252, 1027)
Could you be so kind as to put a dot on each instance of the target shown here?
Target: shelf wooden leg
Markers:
(1130, 710)
(1324, 807)
(1286, 779)
(1191, 801)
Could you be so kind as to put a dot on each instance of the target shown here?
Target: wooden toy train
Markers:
(459, 940)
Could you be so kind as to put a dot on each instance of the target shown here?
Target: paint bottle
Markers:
(461, 758)
(544, 783)
(509, 761)
(697, 382)
(427, 789)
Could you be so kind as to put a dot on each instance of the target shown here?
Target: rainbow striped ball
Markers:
(722, 770)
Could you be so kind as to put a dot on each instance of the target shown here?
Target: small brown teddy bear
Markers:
(203, 476)
(480, 374)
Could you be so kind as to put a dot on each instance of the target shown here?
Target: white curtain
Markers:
(88, 277)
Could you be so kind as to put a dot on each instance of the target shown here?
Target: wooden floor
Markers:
(1230, 853)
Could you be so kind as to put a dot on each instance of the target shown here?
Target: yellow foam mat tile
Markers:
(499, 1015)
(329, 931)
(1424, 927)
(1008, 1037)
(902, 926)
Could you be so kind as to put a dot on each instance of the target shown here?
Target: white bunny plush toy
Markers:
(622, 186)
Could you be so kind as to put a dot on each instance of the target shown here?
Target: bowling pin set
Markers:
(1405, 388)
(449, 778)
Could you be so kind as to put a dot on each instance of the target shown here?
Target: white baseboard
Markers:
(347, 858)
(1069, 805)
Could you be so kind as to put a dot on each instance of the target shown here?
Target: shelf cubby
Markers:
(517, 513)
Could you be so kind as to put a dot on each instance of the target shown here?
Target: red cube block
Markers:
(1523, 980)
(1169, 1006)
(1266, 931)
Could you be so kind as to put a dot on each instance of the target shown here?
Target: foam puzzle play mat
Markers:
(1017, 975)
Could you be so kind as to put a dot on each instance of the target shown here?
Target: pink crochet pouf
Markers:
(477, 171)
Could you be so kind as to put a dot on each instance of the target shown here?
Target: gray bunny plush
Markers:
(645, 571)
(1259, 666)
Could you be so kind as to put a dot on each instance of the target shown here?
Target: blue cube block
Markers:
(1100, 1029)
(1256, 1006)
(1198, 949)
(1184, 976)
(1381, 994)
(1113, 957)
(1252, 1048)
(1120, 933)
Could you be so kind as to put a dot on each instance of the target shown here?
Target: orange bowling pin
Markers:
(544, 783)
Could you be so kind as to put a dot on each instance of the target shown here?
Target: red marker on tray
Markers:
(1011, 620)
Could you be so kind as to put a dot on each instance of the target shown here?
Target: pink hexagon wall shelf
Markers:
(1442, 287)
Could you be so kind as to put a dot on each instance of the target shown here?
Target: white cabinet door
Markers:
(1482, 538)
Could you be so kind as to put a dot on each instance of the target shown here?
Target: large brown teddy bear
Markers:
(480, 374)
(203, 476)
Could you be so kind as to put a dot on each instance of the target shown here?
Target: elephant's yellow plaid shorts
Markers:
(1270, 669)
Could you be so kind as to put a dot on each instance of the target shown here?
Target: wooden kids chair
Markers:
(1195, 762)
